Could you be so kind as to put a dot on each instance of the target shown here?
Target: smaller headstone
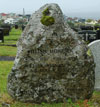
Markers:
(1, 35)
(23, 27)
(6, 26)
(86, 27)
(16, 26)
(98, 34)
(6, 29)
(96, 27)
(88, 35)
(95, 49)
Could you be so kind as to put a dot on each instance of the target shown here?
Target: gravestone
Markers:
(6, 29)
(86, 27)
(52, 63)
(88, 35)
(23, 27)
(16, 26)
(95, 49)
(1, 35)
(6, 26)
(96, 27)
(98, 34)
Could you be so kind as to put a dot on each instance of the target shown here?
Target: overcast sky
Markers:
(81, 8)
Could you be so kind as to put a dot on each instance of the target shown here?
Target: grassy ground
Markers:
(10, 40)
(8, 51)
(14, 35)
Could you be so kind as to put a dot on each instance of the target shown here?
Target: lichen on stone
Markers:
(89, 52)
(47, 20)
(46, 12)
(51, 63)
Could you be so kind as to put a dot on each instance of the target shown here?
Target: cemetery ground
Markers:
(8, 48)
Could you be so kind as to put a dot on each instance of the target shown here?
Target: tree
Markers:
(99, 21)
(71, 24)
(89, 20)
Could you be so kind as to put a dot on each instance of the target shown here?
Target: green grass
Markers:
(8, 51)
(10, 40)
(5, 68)
(14, 35)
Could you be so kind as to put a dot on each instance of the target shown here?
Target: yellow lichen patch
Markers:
(88, 52)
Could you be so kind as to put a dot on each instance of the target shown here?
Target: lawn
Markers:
(10, 40)
(5, 68)
(8, 51)
(14, 35)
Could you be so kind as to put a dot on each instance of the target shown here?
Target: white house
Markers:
(10, 21)
(93, 22)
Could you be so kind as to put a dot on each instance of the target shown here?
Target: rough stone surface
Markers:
(51, 64)
(95, 49)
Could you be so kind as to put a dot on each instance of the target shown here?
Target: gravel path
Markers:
(7, 58)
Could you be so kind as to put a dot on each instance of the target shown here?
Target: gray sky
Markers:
(81, 8)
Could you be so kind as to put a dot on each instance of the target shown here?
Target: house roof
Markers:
(3, 14)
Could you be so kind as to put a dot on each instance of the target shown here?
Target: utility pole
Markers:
(23, 12)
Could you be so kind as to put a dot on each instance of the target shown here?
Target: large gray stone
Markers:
(95, 49)
(51, 64)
